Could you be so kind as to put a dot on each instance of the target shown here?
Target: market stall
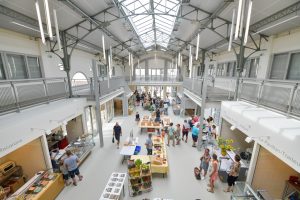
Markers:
(139, 175)
(148, 125)
(159, 163)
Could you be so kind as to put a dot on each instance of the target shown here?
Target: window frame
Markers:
(4, 58)
(287, 64)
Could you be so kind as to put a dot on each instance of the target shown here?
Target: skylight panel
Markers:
(152, 29)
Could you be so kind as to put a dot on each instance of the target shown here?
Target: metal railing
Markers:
(160, 78)
(86, 87)
(276, 94)
(213, 93)
(17, 94)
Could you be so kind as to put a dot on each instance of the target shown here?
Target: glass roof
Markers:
(153, 20)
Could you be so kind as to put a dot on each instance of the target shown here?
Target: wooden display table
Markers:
(148, 125)
(159, 162)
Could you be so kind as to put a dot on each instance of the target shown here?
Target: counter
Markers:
(49, 188)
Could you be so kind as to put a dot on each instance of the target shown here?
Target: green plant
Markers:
(225, 144)
(138, 163)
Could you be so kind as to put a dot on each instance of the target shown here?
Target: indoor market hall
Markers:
(149, 100)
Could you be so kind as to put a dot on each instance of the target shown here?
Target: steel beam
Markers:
(74, 7)
(212, 16)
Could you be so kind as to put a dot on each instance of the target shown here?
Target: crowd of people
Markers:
(209, 163)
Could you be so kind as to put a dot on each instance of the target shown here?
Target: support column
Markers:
(46, 152)
(146, 70)
(66, 61)
(91, 120)
(203, 99)
(252, 164)
(97, 100)
(125, 105)
(166, 71)
(183, 100)
(164, 92)
(240, 66)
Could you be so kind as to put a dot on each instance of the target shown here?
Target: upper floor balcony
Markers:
(19, 94)
(154, 80)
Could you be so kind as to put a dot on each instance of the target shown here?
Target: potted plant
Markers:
(225, 145)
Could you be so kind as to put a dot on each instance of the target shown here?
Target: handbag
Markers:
(113, 140)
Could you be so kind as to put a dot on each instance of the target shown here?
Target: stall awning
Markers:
(275, 132)
(18, 129)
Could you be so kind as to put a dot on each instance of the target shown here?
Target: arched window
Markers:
(79, 78)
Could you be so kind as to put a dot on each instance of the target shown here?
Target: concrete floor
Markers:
(180, 184)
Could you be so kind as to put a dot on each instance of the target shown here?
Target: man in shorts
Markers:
(71, 164)
(117, 133)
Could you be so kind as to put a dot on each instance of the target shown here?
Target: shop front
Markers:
(107, 111)
(25, 165)
(273, 141)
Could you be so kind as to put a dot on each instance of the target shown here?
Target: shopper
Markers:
(214, 174)
(185, 130)
(177, 134)
(233, 174)
(149, 144)
(214, 132)
(166, 108)
(64, 172)
(71, 164)
(137, 117)
(171, 133)
(157, 119)
(205, 159)
(117, 133)
(195, 133)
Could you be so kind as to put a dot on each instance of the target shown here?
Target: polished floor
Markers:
(180, 184)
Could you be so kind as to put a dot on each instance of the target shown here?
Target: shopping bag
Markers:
(113, 140)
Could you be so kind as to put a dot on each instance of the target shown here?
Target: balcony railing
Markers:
(276, 94)
(17, 94)
(195, 85)
(160, 78)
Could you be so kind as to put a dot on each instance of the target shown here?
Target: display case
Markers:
(81, 148)
(242, 191)
(44, 185)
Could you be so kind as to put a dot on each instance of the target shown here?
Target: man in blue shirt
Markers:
(195, 133)
(71, 164)
(117, 133)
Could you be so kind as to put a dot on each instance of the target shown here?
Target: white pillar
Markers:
(252, 165)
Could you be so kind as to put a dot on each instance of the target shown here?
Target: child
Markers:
(65, 173)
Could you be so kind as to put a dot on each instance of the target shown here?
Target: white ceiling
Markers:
(67, 18)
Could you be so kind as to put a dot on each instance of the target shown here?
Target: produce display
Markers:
(140, 177)
(159, 163)
(114, 186)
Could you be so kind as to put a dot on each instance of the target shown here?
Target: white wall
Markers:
(80, 61)
(286, 41)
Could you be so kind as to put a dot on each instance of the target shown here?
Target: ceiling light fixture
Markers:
(103, 46)
(242, 18)
(250, 139)
(231, 31)
(238, 20)
(38, 12)
(248, 21)
(16, 23)
(56, 30)
(197, 48)
(289, 19)
(49, 27)
(148, 49)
